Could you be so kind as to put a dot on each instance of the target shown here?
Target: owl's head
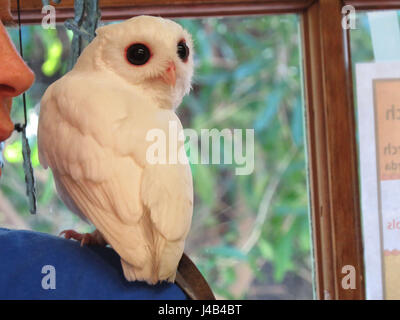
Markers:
(151, 52)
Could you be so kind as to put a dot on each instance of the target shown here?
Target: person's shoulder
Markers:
(41, 266)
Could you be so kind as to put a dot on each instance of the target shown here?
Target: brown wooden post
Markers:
(123, 9)
(332, 151)
(374, 4)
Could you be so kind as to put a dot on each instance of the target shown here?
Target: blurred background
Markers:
(250, 235)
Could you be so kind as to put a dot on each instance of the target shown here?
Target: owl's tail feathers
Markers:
(161, 267)
(133, 273)
(168, 255)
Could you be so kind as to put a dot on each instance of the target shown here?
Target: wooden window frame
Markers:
(329, 108)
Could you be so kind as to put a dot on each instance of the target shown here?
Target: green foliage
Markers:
(248, 75)
(54, 51)
(13, 152)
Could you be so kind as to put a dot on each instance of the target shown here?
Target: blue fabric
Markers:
(88, 272)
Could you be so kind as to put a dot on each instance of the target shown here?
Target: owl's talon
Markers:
(87, 239)
(94, 238)
(71, 234)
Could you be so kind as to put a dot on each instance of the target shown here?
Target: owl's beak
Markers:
(169, 76)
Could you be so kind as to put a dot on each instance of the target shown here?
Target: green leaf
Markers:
(52, 63)
(35, 156)
(13, 152)
(296, 123)
(284, 210)
(266, 249)
(213, 78)
(283, 261)
(204, 183)
(229, 275)
(247, 69)
(272, 103)
(54, 50)
(227, 252)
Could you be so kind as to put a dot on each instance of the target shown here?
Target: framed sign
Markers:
(378, 114)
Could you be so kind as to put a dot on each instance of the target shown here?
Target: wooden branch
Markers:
(266, 202)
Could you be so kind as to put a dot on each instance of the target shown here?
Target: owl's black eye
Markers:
(183, 51)
(138, 54)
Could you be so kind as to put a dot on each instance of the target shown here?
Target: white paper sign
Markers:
(378, 101)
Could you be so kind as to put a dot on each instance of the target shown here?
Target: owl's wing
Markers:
(76, 139)
(167, 191)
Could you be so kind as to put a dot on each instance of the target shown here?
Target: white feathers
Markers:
(92, 128)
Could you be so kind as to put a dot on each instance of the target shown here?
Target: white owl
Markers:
(92, 134)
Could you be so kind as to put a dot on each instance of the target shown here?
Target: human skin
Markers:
(15, 75)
